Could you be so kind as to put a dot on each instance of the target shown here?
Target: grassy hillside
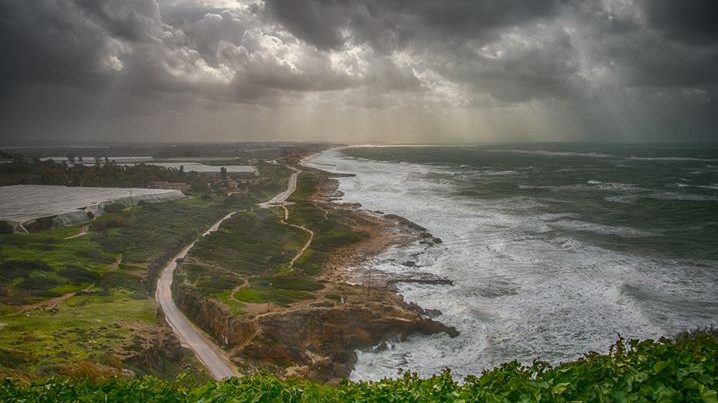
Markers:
(247, 260)
(67, 296)
(85, 294)
(683, 369)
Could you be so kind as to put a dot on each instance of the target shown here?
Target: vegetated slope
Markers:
(246, 261)
(84, 295)
(69, 297)
(261, 286)
(668, 370)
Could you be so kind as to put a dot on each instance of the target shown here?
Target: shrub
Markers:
(109, 221)
(14, 268)
(683, 369)
(6, 227)
(77, 274)
(114, 208)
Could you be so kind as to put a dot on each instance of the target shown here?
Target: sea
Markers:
(554, 249)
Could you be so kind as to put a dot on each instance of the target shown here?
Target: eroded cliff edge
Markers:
(317, 337)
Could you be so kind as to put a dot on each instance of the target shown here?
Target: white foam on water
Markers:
(523, 289)
(673, 159)
(624, 199)
(591, 185)
(680, 196)
(553, 153)
(577, 225)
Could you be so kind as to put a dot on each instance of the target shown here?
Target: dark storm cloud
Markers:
(689, 21)
(449, 33)
(134, 20)
(568, 59)
(387, 24)
(47, 40)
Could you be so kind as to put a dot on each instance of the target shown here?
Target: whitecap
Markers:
(673, 159)
(549, 153)
(583, 226)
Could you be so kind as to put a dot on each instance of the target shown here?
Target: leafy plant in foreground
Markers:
(682, 369)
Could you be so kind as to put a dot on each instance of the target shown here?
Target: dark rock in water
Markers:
(409, 263)
(432, 281)
(428, 326)
(432, 313)
(383, 346)
(437, 240)
(379, 212)
(406, 222)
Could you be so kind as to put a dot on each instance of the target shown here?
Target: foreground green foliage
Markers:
(683, 369)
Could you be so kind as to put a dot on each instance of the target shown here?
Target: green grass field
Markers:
(66, 301)
(89, 298)
(256, 247)
(252, 245)
(45, 327)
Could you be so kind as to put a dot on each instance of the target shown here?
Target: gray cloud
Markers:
(551, 63)
(390, 24)
(689, 21)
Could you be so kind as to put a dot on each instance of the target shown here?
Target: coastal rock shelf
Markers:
(30, 207)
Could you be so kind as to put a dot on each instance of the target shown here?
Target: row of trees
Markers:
(23, 171)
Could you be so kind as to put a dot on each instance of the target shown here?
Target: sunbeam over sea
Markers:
(553, 250)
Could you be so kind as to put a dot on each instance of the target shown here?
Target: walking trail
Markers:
(211, 355)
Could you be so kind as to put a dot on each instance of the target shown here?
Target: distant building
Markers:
(245, 176)
(181, 186)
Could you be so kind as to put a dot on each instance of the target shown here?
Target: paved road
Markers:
(282, 197)
(211, 355)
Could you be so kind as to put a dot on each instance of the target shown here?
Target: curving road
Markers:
(283, 196)
(211, 355)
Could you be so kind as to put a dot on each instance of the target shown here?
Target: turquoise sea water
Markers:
(554, 249)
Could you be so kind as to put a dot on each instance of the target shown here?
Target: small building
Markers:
(181, 186)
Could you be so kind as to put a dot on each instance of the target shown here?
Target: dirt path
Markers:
(280, 200)
(301, 227)
(211, 355)
(83, 231)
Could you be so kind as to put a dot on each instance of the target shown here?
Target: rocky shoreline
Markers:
(318, 338)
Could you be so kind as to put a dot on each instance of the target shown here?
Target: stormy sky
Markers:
(414, 71)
